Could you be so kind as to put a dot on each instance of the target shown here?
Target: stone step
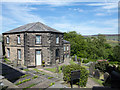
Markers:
(33, 81)
(44, 84)
(21, 79)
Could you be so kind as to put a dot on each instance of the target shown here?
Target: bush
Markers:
(101, 65)
(83, 76)
(85, 61)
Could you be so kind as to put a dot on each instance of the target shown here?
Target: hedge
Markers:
(85, 61)
(101, 65)
(83, 76)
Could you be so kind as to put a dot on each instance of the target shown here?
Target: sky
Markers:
(87, 18)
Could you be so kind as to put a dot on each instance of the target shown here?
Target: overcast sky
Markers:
(86, 18)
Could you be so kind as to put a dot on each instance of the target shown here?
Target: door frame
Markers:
(35, 56)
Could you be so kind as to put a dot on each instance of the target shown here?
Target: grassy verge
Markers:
(54, 69)
(98, 81)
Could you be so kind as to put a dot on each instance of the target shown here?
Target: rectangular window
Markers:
(8, 40)
(8, 51)
(67, 48)
(64, 48)
(19, 40)
(19, 54)
(38, 39)
(57, 39)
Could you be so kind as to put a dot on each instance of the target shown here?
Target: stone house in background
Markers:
(66, 49)
(33, 43)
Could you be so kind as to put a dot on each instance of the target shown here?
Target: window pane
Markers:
(19, 54)
(57, 39)
(38, 39)
(67, 48)
(64, 48)
(8, 51)
(18, 39)
(7, 39)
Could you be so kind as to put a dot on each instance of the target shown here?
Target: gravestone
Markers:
(79, 61)
(97, 74)
(91, 69)
(75, 57)
(57, 67)
(106, 76)
(74, 75)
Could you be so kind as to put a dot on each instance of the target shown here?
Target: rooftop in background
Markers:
(33, 27)
(66, 42)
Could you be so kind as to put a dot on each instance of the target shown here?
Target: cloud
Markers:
(17, 13)
(106, 27)
(105, 5)
(100, 14)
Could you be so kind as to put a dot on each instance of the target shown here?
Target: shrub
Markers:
(85, 61)
(83, 76)
(101, 65)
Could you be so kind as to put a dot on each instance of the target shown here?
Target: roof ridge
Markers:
(31, 26)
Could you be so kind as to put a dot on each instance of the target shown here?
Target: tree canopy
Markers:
(91, 47)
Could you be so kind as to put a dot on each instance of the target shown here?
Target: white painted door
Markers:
(38, 57)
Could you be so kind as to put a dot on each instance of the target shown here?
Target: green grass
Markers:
(51, 69)
(50, 77)
(51, 84)
(24, 75)
(23, 81)
(6, 60)
(26, 69)
(54, 69)
(98, 81)
(34, 77)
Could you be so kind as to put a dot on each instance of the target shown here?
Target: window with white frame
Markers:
(19, 54)
(57, 39)
(64, 48)
(38, 39)
(8, 52)
(67, 48)
(7, 39)
(19, 40)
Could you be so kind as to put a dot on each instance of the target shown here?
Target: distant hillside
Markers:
(0, 37)
(112, 39)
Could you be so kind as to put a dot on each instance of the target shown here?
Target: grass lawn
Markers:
(54, 69)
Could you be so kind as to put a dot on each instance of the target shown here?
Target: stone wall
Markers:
(28, 47)
(13, 46)
(13, 54)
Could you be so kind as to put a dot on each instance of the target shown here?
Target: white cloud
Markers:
(105, 5)
(106, 27)
(16, 13)
(100, 14)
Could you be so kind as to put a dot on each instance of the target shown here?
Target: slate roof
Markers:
(66, 42)
(33, 27)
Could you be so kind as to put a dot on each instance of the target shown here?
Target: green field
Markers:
(112, 39)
